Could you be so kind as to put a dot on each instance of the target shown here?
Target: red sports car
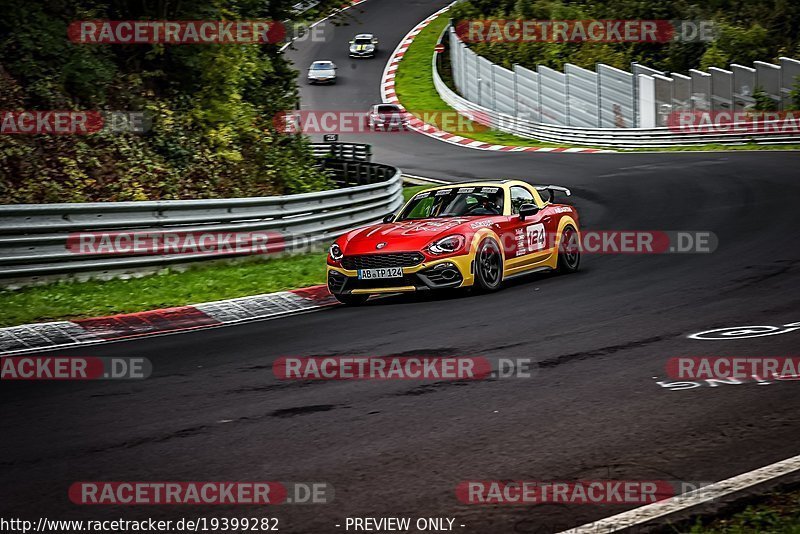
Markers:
(459, 235)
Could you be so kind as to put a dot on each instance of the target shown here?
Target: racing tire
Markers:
(488, 266)
(569, 252)
(351, 300)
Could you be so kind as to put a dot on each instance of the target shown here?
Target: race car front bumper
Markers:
(388, 126)
(455, 271)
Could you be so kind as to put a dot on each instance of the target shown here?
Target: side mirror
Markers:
(352, 42)
(527, 210)
(388, 218)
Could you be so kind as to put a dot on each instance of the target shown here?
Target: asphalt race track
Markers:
(593, 409)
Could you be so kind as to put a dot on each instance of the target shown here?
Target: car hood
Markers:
(406, 235)
(362, 48)
(327, 73)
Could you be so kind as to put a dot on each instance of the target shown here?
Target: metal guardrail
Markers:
(345, 151)
(35, 238)
(605, 137)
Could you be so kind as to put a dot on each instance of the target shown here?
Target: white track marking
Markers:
(744, 332)
(690, 499)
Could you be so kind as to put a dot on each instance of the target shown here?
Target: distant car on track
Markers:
(364, 45)
(322, 72)
(390, 117)
(460, 235)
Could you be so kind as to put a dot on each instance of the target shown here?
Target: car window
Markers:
(520, 196)
(388, 109)
(455, 202)
(422, 209)
(322, 66)
(363, 40)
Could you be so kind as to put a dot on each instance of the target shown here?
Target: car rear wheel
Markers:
(569, 251)
(488, 266)
(351, 300)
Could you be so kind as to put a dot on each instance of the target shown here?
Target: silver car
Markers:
(388, 117)
(322, 72)
(364, 45)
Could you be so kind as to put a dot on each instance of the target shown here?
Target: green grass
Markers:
(200, 283)
(65, 300)
(778, 513)
(415, 89)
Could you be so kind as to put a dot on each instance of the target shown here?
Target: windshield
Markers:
(456, 202)
(363, 41)
(322, 66)
(388, 109)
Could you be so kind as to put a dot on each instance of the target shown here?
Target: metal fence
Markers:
(347, 151)
(608, 106)
(35, 238)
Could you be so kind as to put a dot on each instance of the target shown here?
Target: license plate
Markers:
(386, 272)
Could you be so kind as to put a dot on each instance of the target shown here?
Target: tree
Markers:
(211, 106)
(744, 31)
(794, 95)
(763, 102)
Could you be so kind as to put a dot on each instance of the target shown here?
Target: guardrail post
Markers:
(516, 95)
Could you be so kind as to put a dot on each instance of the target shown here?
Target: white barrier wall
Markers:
(610, 97)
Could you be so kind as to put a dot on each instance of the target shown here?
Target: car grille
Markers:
(374, 261)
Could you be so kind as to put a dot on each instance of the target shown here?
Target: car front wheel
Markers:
(569, 251)
(488, 266)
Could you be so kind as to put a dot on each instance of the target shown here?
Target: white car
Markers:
(363, 45)
(389, 117)
(322, 72)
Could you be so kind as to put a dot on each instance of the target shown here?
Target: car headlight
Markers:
(447, 245)
(336, 252)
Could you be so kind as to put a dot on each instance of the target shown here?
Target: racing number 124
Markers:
(536, 237)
